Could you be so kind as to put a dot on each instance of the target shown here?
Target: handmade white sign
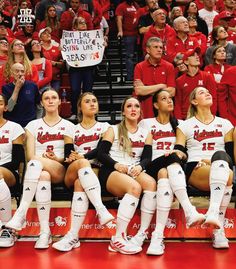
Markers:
(82, 48)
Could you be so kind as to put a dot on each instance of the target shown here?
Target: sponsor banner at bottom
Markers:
(175, 226)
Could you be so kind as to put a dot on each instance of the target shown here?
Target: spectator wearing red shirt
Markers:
(227, 95)
(4, 45)
(97, 15)
(228, 10)
(218, 67)
(193, 78)
(127, 23)
(181, 42)
(201, 38)
(159, 29)
(105, 7)
(68, 16)
(6, 32)
(153, 74)
(26, 33)
(52, 21)
(44, 66)
(52, 52)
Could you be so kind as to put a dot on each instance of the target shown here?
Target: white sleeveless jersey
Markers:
(49, 138)
(8, 133)
(203, 140)
(138, 142)
(163, 136)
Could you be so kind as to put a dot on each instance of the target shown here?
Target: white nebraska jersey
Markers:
(163, 136)
(138, 142)
(87, 139)
(203, 140)
(8, 132)
(49, 138)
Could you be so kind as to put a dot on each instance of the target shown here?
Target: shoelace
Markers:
(6, 233)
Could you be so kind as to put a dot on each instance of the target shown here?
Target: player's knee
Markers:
(222, 155)
(45, 176)
(162, 173)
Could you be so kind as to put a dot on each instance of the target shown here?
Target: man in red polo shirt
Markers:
(153, 74)
(67, 16)
(186, 83)
(227, 95)
(181, 42)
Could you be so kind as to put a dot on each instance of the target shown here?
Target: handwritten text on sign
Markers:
(82, 48)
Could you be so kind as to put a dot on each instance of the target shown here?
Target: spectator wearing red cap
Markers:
(159, 29)
(218, 67)
(219, 36)
(153, 74)
(227, 95)
(182, 41)
(224, 19)
(52, 52)
(68, 16)
(194, 77)
(228, 10)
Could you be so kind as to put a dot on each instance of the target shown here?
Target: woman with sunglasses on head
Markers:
(45, 153)
(81, 149)
(11, 155)
(125, 151)
(209, 143)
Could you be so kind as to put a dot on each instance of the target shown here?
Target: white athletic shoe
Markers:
(156, 246)
(7, 238)
(104, 216)
(17, 222)
(139, 238)
(194, 218)
(219, 239)
(67, 243)
(212, 220)
(123, 245)
(44, 241)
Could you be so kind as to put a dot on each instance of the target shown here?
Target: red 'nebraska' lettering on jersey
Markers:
(4, 140)
(80, 140)
(137, 144)
(43, 138)
(199, 136)
(160, 134)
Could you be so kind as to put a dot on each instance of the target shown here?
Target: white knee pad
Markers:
(176, 177)
(33, 171)
(149, 201)
(127, 207)
(5, 193)
(88, 178)
(80, 203)
(164, 195)
(219, 172)
(43, 192)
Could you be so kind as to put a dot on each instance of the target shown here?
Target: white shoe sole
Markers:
(154, 253)
(114, 249)
(45, 246)
(65, 250)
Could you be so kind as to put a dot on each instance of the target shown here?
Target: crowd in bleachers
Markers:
(186, 51)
